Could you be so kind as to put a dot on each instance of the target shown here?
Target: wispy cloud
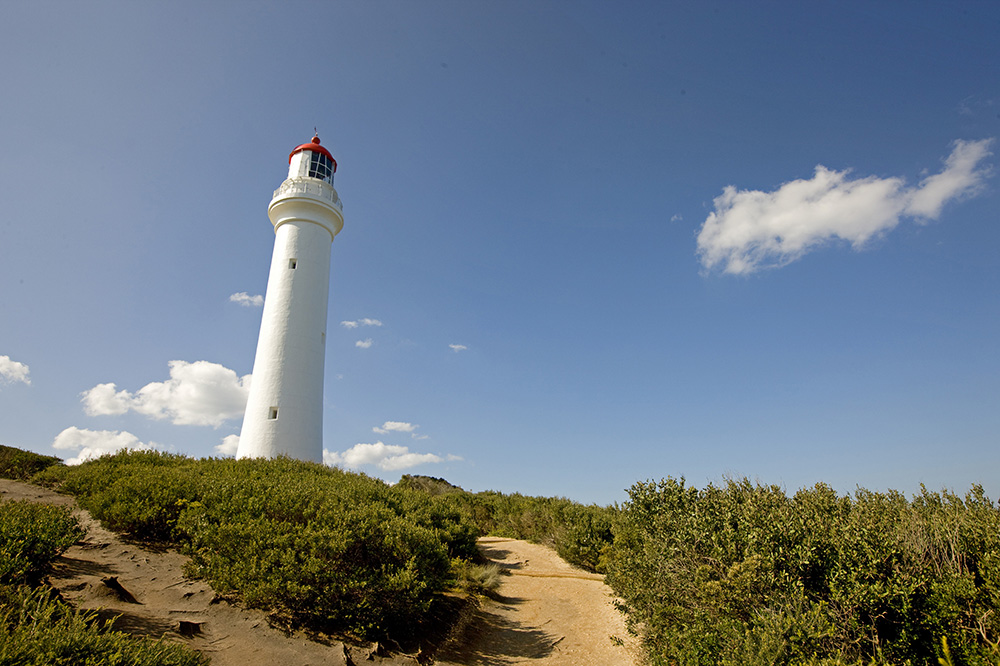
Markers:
(399, 426)
(364, 344)
(361, 322)
(458, 348)
(976, 105)
(13, 371)
(95, 443)
(750, 230)
(387, 457)
(199, 393)
(246, 300)
(395, 426)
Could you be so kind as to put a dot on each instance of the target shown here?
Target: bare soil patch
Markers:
(546, 613)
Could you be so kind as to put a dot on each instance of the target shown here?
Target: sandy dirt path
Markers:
(546, 612)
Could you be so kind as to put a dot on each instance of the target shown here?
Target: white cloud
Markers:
(246, 300)
(387, 457)
(750, 230)
(458, 348)
(95, 443)
(103, 400)
(364, 344)
(395, 426)
(361, 322)
(199, 393)
(12, 371)
(229, 445)
(399, 426)
(960, 177)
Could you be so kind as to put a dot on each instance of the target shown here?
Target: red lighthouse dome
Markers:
(314, 147)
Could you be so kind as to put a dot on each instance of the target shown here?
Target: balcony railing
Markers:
(311, 187)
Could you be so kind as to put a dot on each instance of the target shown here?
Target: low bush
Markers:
(36, 629)
(477, 579)
(584, 536)
(22, 465)
(743, 574)
(320, 547)
(581, 534)
(31, 536)
(139, 494)
(323, 547)
(430, 485)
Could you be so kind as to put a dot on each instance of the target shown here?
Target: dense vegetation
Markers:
(581, 534)
(743, 574)
(31, 536)
(22, 465)
(38, 629)
(735, 574)
(315, 546)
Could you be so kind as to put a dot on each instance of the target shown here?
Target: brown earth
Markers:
(545, 612)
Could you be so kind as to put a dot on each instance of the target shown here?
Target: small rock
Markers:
(120, 592)
(377, 650)
(189, 629)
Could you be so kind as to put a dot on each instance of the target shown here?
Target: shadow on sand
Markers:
(508, 642)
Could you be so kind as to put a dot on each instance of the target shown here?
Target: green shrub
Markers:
(323, 547)
(22, 465)
(36, 629)
(447, 520)
(333, 550)
(31, 536)
(744, 574)
(430, 485)
(477, 578)
(138, 493)
(580, 534)
(583, 536)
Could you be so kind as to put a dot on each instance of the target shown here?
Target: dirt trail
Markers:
(546, 613)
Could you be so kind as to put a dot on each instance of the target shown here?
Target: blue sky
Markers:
(595, 243)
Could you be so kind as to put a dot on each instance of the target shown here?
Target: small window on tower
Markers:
(292, 263)
(272, 413)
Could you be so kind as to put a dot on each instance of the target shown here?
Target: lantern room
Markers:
(311, 160)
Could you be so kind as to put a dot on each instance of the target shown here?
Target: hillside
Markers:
(722, 576)
(545, 612)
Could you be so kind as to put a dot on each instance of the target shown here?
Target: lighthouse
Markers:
(284, 413)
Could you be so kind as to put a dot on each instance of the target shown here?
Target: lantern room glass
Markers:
(320, 167)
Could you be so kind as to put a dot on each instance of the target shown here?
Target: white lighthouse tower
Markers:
(284, 414)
